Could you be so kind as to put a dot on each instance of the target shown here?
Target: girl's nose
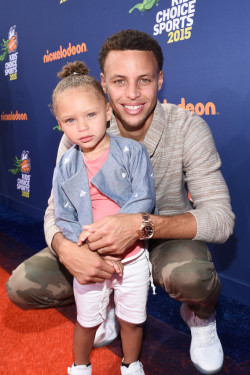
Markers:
(82, 125)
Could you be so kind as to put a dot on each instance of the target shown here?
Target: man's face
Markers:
(132, 80)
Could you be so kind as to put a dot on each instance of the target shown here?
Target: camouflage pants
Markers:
(184, 268)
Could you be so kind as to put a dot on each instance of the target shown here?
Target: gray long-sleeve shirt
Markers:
(183, 153)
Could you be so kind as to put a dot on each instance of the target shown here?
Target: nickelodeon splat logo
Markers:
(199, 108)
(9, 47)
(23, 166)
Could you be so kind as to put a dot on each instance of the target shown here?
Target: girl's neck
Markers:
(95, 152)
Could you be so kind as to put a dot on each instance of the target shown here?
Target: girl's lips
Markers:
(86, 139)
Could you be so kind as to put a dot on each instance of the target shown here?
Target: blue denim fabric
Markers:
(126, 177)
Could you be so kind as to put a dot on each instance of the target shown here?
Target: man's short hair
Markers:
(131, 40)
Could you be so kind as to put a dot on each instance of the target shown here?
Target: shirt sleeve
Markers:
(66, 217)
(142, 198)
(50, 228)
(206, 185)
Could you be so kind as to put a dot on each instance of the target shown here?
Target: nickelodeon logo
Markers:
(64, 52)
(199, 108)
(13, 116)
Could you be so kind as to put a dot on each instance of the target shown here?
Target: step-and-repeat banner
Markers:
(206, 70)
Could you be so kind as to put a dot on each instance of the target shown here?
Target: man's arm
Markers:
(210, 220)
(118, 232)
(86, 266)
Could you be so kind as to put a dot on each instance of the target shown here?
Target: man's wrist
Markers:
(57, 242)
(147, 229)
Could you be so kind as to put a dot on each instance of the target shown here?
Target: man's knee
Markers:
(40, 282)
(186, 271)
(194, 281)
(16, 289)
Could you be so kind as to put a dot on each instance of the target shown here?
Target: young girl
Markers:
(101, 175)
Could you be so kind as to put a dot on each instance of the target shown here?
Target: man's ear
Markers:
(103, 83)
(109, 112)
(160, 80)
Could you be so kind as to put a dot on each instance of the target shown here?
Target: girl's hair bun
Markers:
(76, 67)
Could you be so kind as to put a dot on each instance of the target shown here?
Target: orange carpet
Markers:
(39, 342)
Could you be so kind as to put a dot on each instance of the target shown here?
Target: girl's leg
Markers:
(83, 340)
(131, 336)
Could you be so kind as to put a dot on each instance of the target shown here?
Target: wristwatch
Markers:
(147, 228)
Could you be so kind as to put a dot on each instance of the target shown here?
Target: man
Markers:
(183, 156)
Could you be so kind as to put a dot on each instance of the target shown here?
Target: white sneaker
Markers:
(108, 330)
(80, 370)
(206, 351)
(134, 368)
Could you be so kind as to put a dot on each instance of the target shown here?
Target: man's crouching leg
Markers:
(42, 281)
(184, 268)
(39, 282)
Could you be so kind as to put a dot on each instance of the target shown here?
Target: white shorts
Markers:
(130, 295)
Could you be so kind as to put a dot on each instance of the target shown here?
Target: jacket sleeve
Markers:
(66, 217)
(50, 228)
(206, 185)
(141, 174)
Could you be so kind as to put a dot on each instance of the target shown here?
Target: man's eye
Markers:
(119, 82)
(92, 114)
(144, 80)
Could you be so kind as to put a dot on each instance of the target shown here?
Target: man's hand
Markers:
(113, 234)
(85, 265)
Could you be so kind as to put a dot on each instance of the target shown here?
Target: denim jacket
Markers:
(126, 177)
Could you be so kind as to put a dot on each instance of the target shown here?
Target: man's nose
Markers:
(132, 90)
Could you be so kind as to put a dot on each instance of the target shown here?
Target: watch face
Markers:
(147, 231)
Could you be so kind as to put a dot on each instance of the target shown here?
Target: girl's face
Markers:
(82, 115)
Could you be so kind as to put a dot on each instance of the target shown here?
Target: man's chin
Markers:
(133, 126)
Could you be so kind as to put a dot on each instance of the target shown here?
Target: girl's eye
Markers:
(69, 121)
(92, 114)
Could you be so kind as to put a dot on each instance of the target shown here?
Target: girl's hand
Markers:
(118, 266)
(83, 237)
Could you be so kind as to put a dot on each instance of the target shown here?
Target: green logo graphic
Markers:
(146, 5)
(17, 166)
(4, 50)
(22, 165)
(57, 127)
(9, 45)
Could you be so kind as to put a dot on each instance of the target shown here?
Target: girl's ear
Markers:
(59, 124)
(109, 112)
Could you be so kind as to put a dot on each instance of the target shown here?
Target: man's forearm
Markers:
(57, 243)
(115, 234)
(181, 226)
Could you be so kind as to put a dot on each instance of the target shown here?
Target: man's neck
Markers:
(137, 134)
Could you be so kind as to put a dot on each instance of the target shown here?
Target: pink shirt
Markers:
(102, 205)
